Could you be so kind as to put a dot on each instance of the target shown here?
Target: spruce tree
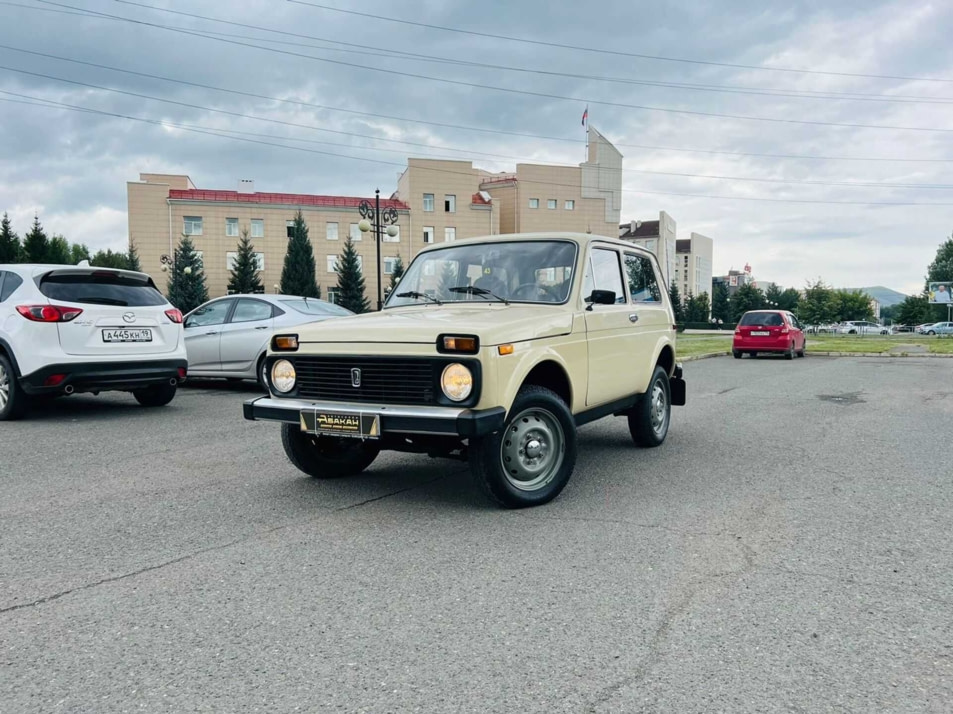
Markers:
(720, 308)
(676, 302)
(132, 258)
(244, 277)
(36, 246)
(351, 281)
(448, 279)
(78, 252)
(397, 274)
(58, 252)
(187, 288)
(9, 242)
(298, 273)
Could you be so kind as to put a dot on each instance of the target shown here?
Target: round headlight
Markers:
(283, 375)
(457, 382)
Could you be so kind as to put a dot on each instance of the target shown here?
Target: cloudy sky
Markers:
(323, 101)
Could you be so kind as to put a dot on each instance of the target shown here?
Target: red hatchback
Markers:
(768, 331)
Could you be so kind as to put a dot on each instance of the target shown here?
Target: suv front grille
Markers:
(383, 381)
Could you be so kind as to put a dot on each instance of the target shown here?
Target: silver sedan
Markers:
(228, 336)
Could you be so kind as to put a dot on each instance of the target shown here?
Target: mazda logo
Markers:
(129, 317)
(355, 377)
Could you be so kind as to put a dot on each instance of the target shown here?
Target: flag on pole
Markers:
(585, 116)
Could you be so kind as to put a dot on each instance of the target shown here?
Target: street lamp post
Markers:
(373, 216)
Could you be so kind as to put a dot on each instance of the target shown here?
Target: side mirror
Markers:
(603, 297)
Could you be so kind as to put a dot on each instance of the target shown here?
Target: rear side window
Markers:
(102, 287)
(762, 319)
(8, 283)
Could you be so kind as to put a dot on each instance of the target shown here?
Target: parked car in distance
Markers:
(921, 329)
(74, 328)
(768, 331)
(862, 327)
(939, 328)
(493, 350)
(228, 336)
(819, 329)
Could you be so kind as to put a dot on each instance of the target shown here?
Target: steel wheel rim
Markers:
(4, 387)
(532, 449)
(657, 410)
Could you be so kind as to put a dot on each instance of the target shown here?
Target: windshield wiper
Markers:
(482, 292)
(418, 296)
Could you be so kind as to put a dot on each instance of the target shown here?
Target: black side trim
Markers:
(13, 358)
(620, 405)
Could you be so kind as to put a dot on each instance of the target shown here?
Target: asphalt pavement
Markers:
(787, 549)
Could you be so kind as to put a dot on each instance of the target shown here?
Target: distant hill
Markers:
(885, 296)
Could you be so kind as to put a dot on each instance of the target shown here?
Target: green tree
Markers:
(187, 288)
(397, 274)
(941, 271)
(132, 257)
(853, 305)
(914, 310)
(448, 279)
(9, 242)
(747, 297)
(298, 273)
(351, 293)
(819, 305)
(36, 246)
(108, 259)
(78, 252)
(720, 307)
(244, 277)
(789, 299)
(676, 302)
(702, 308)
(773, 294)
(58, 252)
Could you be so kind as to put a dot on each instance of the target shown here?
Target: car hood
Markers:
(494, 324)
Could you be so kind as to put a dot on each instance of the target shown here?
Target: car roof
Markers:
(581, 238)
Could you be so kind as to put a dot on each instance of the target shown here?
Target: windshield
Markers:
(521, 271)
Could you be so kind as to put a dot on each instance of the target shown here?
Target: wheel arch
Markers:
(551, 375)
(666, 360)
(7, 351)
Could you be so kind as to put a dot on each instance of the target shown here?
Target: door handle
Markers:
(213, 332)
(633, 317)
(262, 327)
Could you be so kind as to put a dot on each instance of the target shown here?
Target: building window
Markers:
(686, 261)
(570, 205)
(232, 256)
(391, 239)
(534, 203)
(332, 231)
(450, 203)
(257, 227)
(389, 265)
(193, 225)
(290, 228)
(332, 263)
(334, 295)
(231, 227)
(428, 202)
(449, 235)
(551, 204)
(355, 232)
(428, 234)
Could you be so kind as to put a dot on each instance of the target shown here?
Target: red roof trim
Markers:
(478, 200)
(293, 199)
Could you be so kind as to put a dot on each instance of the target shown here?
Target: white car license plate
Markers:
(139, 335)
(760, 333)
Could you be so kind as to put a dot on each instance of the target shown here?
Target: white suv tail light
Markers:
(49, 313)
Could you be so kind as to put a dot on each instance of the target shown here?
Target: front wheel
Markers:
(931, 332)
(326, 456)
(530, 460)
(649, 419)
(803, 349)
(157, 395)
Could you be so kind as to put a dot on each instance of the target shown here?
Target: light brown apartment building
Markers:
(436, 201)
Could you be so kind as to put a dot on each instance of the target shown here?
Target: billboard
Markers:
(940, 293)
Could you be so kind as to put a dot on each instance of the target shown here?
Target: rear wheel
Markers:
(790, 353)
(736, 354)
(157, 395)
(752, 354)
(931, 332)
(326, 456)
(12, 398)
(649, 419)
(530, 460)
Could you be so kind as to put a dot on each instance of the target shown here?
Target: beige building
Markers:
(693, 265)
(436, 201)
(657, 237)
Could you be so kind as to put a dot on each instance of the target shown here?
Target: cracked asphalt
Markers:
(787, 549)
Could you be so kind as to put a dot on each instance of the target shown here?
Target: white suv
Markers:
(66, 329)
(862, 327)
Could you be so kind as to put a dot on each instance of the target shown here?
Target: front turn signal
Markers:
(465, 344)
(284, 343)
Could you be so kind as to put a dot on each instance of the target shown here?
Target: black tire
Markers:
(932, 332)
(752, 354)
(650, 418)
(736, 354)
(502, 464)
(790, 353)
(261, 370)
(326, 456)
(157, 395)
(803, 349)
(12, 398)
